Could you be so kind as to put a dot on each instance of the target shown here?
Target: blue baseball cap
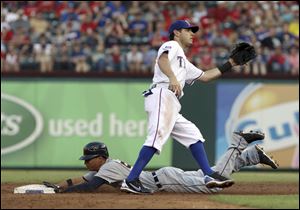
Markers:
(179, 24)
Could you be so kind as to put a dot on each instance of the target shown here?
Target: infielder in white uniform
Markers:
(172, 71)
(104, 170)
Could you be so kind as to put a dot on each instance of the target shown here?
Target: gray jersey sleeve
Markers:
(89, 176)
(113, 171)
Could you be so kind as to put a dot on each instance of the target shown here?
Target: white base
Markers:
(34, 189)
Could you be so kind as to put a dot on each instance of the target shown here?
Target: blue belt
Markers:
(147, 93)
(156, 180)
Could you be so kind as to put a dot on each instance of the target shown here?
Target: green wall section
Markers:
(46, 122)
(73, 113)
(198, 106)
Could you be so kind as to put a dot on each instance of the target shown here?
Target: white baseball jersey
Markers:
(163, 106)
(173, 179)
(184, 71)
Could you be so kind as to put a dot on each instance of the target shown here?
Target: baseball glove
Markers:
(56, 188)
(242, 53)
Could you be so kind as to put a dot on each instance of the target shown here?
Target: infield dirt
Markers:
(107, 197)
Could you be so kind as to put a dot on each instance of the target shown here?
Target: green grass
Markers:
(261, 176)
(37, 176)
(261, 201)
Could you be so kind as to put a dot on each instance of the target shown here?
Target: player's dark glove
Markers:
(56, 188)
(242, 53)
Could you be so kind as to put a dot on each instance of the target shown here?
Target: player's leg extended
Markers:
(162, 108)
(186, 133)
(162, 114)
(254, 155)
(174, 179)
(189, 135)
(239, 142)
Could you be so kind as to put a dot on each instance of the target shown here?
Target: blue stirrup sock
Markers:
(199, 154)
(145, 156)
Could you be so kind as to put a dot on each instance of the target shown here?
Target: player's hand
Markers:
(231, 61)
(175, 86)
(56, 188)
(242, 53)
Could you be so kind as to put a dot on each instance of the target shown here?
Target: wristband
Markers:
(69, 181)
(225, 67)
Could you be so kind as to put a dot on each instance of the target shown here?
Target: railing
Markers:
(93, 74)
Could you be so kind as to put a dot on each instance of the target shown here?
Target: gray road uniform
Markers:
(173, 179)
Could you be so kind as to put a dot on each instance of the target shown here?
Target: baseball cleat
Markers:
(251, 136)
(216, 180)
(265, 159)
(135, 187)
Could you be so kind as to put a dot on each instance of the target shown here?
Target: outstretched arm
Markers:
(69, 182)
(86, 186)
(215, 73)
(76, 185)
(241, 54)
(64, 184)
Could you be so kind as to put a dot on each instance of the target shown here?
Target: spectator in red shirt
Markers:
(278, 62)
(88, 24)
(115, 59)
(7, 35)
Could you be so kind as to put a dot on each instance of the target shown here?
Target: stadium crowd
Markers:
(123, 36)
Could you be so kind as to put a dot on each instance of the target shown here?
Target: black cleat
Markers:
(134, 186)
(217, 180)
(265, 159)
(251, 136)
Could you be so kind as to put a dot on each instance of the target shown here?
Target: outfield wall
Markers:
(221, 107)
(46, 122)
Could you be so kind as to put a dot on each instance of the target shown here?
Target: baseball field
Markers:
(261, 190)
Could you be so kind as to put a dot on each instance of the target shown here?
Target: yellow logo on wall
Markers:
(274, 109)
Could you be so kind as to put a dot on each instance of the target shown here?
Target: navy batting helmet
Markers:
(94, 149)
